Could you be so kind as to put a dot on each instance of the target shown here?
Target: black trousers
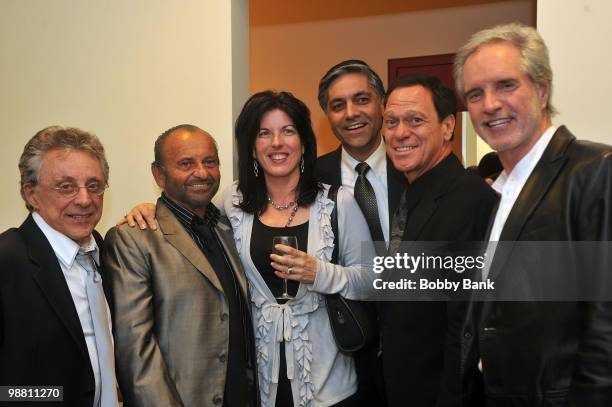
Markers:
(371, 390)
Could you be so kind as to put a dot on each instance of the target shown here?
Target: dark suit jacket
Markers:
(420, 340)
(552, 353)
(41, 340)
(328, 170)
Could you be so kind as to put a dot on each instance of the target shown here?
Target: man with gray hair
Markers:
(553, 188)
(54, 319)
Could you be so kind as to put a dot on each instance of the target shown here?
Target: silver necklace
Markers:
(294, 208)
(280, 207)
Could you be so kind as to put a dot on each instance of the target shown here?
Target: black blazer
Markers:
(421, 340)
(553, 353)
(328, 170)
(41, 339)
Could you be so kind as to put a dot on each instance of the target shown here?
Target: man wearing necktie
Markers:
(351, 95)
(183, 328)
(55, 325)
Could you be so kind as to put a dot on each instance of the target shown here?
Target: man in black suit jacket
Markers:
(443, 202)
(351, 95)
(46, 331)
(553, 188)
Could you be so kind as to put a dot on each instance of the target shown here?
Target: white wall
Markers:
(474, 148)
(579, 36)
(294, 56)
(125, 70)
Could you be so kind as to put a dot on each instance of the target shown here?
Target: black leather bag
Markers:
(353, 323)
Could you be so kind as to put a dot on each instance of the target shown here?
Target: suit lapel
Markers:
(446, 173)
(178, 237)
(539, 182)
(226, 237)
(419, 217)
(334, 174)
(396, 183)
(105, 281)
(492, 219)
(426, 207)
(49, 277)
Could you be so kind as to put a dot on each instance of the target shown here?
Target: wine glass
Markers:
(287, 241)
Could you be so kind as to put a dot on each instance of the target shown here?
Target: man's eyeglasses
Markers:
(70, 190)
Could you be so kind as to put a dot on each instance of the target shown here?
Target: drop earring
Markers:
(302, 165)
(255, 168)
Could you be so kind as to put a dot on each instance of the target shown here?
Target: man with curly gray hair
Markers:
(553, 188)
(55, 327)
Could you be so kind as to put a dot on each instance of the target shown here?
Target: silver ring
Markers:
(289, 269)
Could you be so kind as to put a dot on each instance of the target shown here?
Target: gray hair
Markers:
(56, 138)
(346, 67)
(534, 55)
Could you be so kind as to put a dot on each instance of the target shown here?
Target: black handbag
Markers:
(353, 323)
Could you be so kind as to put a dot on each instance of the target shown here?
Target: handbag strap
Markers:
(332, 194)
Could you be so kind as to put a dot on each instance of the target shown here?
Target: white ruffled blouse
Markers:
(320, 375)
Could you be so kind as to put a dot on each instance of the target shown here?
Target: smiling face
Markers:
(77, 216)
(415, 138)
(507, 109)
(190, 172)
(278, 147)
(354, 111)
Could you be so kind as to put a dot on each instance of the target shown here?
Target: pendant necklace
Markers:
(292, 214)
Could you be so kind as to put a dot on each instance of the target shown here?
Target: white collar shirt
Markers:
(66, 251)
(377, 177)
(511, 185)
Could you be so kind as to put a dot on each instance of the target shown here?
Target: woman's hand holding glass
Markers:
(294, 264)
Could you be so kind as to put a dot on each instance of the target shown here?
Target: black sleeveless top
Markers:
(261, 248)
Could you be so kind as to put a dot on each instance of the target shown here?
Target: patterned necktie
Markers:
(99, 317)
(398, 225)
(366, 199)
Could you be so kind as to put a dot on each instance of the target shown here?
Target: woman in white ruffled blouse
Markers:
(277, 193)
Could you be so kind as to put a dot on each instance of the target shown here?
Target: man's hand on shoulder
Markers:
(143, 215)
